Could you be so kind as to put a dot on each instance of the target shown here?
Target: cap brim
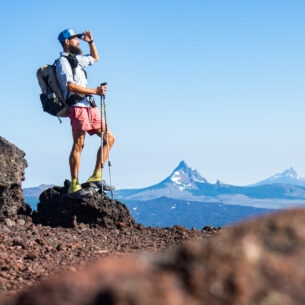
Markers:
(76, 35)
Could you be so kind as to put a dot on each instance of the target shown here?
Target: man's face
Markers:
(74, 41)
(74, 46)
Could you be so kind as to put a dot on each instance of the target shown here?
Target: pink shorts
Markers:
(85, 119)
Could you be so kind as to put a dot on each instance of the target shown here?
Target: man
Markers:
(85, 117)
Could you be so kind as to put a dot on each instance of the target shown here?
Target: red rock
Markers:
(257, 262)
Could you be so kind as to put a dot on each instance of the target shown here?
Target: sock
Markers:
(96, 176)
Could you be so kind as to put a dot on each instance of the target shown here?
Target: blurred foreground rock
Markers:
(12, 166)
(257, 262)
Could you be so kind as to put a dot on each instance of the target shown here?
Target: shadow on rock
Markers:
(55, 209)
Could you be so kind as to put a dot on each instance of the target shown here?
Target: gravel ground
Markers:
(30, 253)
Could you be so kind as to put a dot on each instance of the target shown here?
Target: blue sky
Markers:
(219, 84)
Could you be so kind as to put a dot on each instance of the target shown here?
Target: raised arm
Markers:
(88, 37)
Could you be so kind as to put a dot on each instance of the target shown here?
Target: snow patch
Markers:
(176, 177)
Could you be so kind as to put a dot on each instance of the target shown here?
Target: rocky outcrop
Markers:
(55, 209)
(12, 166)
(257, 262)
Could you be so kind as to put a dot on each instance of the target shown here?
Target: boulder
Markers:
(259, 262)
(55, 209)
(12, 166)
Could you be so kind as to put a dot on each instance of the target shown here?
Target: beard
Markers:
(75, 50)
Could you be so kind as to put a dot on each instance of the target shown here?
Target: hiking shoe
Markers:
(80, 194)
(74, 188)
(96, 176)
(102, 185)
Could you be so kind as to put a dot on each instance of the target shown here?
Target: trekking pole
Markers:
(107, 140)
(102, 140)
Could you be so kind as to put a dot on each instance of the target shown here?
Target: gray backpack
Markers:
(51, 97)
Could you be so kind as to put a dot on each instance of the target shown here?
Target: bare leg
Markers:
(111, 139)
(74, 158)
(97, 177)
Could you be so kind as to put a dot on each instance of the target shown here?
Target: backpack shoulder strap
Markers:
(73, 63)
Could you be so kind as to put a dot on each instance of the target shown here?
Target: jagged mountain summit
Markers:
(184, 177)
(182, 181)
(288, 176)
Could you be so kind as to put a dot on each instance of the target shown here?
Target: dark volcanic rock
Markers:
(12, 166)
(55, 209)
(259, 262)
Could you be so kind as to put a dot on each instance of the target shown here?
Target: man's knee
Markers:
(111, 139)
(78, 142)
(78, 147)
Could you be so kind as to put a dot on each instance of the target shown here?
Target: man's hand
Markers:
(88, 36)
(101, 90)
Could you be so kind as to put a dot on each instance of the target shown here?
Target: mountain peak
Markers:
(288, 176)
(290, 172)
(182, 164)
(186, 177)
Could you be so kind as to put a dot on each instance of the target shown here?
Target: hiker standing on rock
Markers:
(83, 113)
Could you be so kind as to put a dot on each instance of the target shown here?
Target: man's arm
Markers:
(88, 37)
(93, 51)
(101, 90)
